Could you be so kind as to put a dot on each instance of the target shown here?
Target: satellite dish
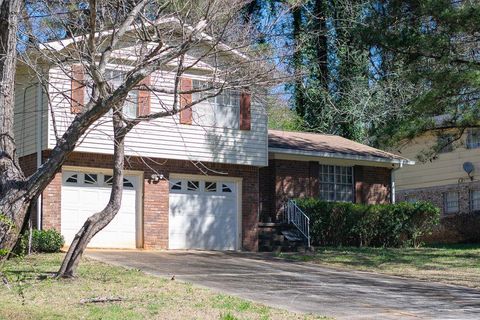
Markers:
(468, 167)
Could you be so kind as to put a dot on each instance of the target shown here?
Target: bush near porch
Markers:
(378, 225)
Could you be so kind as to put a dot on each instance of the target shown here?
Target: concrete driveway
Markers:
(301, 287)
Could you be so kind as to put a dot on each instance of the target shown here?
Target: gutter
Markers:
(38, 135)
(337, 155)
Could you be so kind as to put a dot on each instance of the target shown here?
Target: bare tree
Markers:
(12, 180)
(165, 35)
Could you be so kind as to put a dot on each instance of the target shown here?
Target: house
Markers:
(450, 182)
(327, 166)
(205, 179)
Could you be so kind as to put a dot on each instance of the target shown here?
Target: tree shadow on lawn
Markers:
(29, 274)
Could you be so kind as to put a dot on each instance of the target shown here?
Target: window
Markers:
(108, 181)
(473, 138)
(210, 186)
(72, 179)
(475, 200)
(130, 107)
(336, 183)
(450, 202)
(223, 110)
(411, 199)
(445, 143)
(90, 178)
(175, 185)
(193, 185)
(227, 187)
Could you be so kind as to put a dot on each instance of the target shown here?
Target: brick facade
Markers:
(156, 194)
(372, 184)
(287, 179)
(457, 227)
(29, 166)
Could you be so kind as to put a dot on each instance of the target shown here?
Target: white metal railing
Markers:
(294, 215)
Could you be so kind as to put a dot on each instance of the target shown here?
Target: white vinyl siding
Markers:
(165, 137)
(336, 183)
(26, 124)
(450, 202)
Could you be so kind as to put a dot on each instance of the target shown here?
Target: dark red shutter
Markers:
(245, 111)
(185, 100)
(78, 89)
(144, 98)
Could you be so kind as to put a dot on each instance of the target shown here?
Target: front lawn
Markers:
(31, 293)
(453, 264)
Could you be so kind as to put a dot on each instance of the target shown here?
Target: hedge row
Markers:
(42, 241)
(382, 225)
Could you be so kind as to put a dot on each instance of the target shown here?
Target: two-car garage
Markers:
(203, 210)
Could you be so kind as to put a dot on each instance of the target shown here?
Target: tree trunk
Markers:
(320, 16)
(13, 203)
(100, 220)
(297, 61)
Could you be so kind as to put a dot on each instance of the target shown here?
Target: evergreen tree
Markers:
(432, 46)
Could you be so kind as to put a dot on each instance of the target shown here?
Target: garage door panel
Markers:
(185, 205)
(80, 201)
(203, 219)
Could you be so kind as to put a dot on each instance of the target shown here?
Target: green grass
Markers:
(34, 294)
(454, 264)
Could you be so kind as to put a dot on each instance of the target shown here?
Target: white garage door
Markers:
(85, 193)
(203, 214)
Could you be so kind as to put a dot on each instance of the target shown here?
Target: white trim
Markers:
(238, 185)
(139, 175)
(39, 126)
(337, 155)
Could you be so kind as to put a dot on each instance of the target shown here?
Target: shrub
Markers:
(42, 241)
(351, 224)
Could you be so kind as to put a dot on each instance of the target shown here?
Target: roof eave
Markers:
(337, 155)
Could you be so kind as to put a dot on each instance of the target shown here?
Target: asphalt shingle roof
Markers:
(325, 143)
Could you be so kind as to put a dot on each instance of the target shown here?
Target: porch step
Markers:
(280, 238)
(292, 235)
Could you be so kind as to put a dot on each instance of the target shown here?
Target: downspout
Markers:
(392, 182)
(39, 127)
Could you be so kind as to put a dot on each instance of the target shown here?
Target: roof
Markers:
(329, 146)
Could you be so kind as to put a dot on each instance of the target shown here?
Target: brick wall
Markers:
(51, 204)
(155, 211)
(286, 179)
(454, 227)
(372, 184)
(267, 192)
(29, 165)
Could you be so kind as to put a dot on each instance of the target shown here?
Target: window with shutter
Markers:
(221, 111)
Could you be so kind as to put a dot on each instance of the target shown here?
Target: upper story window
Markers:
(116, 78)
(473, 138)
(223, 110)
(445, 143)
(336, 183)
(450, 202)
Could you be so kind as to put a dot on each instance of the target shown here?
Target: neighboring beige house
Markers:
(451, 182)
